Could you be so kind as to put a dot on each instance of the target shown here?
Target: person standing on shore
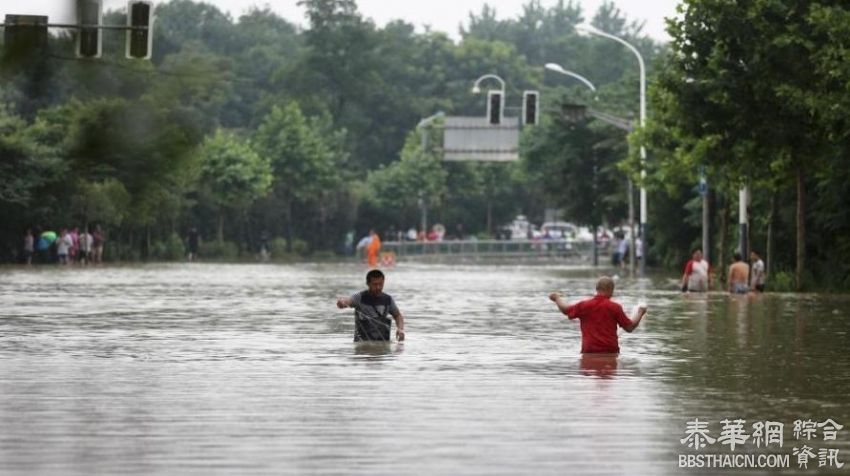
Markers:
(98, 240)
(63, 246)
(193, 242)
(86, 242)
(29, 246)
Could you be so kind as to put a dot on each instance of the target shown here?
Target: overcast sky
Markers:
(442, 15)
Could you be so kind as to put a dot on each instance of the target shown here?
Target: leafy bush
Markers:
(780, 281)
(277, 247)
(170, 249)
(219, 250)
(300, 247)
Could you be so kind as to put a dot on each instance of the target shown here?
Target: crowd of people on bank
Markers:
(70, 246)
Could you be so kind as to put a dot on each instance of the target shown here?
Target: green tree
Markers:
(234, 174)
(305, 166)
(401, 188)
(576, 162)
(742, 92)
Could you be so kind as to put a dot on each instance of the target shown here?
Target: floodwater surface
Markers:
(251, 369)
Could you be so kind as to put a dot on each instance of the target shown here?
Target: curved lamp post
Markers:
(558, 69)
(476, 89)
(423, 205)
(643, 229)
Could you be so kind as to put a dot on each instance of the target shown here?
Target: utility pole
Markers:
(706, 233)
(743, 200)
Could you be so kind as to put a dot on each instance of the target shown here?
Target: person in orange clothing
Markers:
(373, 248)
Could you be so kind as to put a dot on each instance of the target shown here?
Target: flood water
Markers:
(250, 369)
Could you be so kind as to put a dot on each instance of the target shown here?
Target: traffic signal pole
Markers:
(29, 32)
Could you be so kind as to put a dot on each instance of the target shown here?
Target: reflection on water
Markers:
(239, 369)
(599, 365)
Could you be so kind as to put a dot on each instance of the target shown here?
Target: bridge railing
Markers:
(485, 249)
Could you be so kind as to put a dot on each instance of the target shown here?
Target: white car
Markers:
(560, 230)
(520, 229)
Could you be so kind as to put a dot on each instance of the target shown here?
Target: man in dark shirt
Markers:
(599, 318)
(193, 240)
(371, 308)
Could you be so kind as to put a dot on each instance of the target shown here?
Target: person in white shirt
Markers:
(86, 242)
(697, 276)
(63, 246)
(758, 272)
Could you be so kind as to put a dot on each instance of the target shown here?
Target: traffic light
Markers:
(89, 40)
(494, 107)
(140, 32)
(574, 112)
(530, 110)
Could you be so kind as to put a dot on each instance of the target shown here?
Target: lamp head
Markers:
(585, 29)
(555, 67)
(476, 89)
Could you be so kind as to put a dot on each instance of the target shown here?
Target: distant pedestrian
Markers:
(616, 243)
(758, 276)
(98, 242)
(193, 242)
(623, 251)
(63, 246)
(86, 244)
(739, 276)
(697, 276)
(29, 246)
(75, 247)
(348, 243)
(373, 249)
(265, 254)
(638, 248)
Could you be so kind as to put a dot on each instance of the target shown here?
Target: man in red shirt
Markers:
(599, 318)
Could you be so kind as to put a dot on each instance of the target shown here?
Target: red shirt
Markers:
(599, 319)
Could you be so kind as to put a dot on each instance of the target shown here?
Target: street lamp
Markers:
(423, 205)
(558, 69)
(643, 229)
(476, 89)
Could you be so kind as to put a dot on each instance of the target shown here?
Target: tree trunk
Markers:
(490, 216)
(130, 242)
(147, 253)
(220, 232)
(771, 224)
(720, 259)
(801, 227)
(323, 242)
(288, 226)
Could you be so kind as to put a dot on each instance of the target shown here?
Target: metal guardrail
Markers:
(490, 249)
